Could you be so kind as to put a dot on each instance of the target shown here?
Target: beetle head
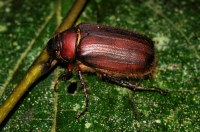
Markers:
(53, 47)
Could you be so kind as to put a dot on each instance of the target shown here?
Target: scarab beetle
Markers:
(114, 54)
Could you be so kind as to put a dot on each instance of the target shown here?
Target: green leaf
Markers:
(174, 25)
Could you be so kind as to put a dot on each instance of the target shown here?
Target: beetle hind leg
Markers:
(86, 96)
(133, 86)
(144, 88)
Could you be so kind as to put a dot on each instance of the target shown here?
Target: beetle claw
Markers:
(55, 86)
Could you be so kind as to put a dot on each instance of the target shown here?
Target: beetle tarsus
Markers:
(133, 87)
(146, 88)
(86, 96)
(55, 86)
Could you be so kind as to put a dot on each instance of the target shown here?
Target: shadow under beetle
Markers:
(114, 54)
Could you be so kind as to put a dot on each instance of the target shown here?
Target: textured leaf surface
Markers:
(26, 26)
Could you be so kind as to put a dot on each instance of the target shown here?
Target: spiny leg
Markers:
(86, 96)
(145, 88)
(133, 86)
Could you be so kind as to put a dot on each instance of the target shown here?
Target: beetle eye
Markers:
(57, 54)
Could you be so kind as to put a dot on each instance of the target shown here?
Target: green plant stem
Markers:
(39, 68)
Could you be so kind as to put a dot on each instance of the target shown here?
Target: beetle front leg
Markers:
(65, 76)
(86, 96)
(133, 86)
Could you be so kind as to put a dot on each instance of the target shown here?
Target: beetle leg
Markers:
(65, 76)
(86, 96)
(133, 86)
(144, 88)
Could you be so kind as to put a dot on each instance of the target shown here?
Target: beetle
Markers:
(115, 55)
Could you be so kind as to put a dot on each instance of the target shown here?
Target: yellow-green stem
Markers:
(38, 68)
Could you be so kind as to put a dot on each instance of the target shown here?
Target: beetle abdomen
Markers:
(119, 52)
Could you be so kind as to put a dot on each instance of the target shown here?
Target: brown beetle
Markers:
(114, 54)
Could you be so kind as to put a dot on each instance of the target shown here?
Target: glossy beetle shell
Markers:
(116, 52)
(105, 50)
